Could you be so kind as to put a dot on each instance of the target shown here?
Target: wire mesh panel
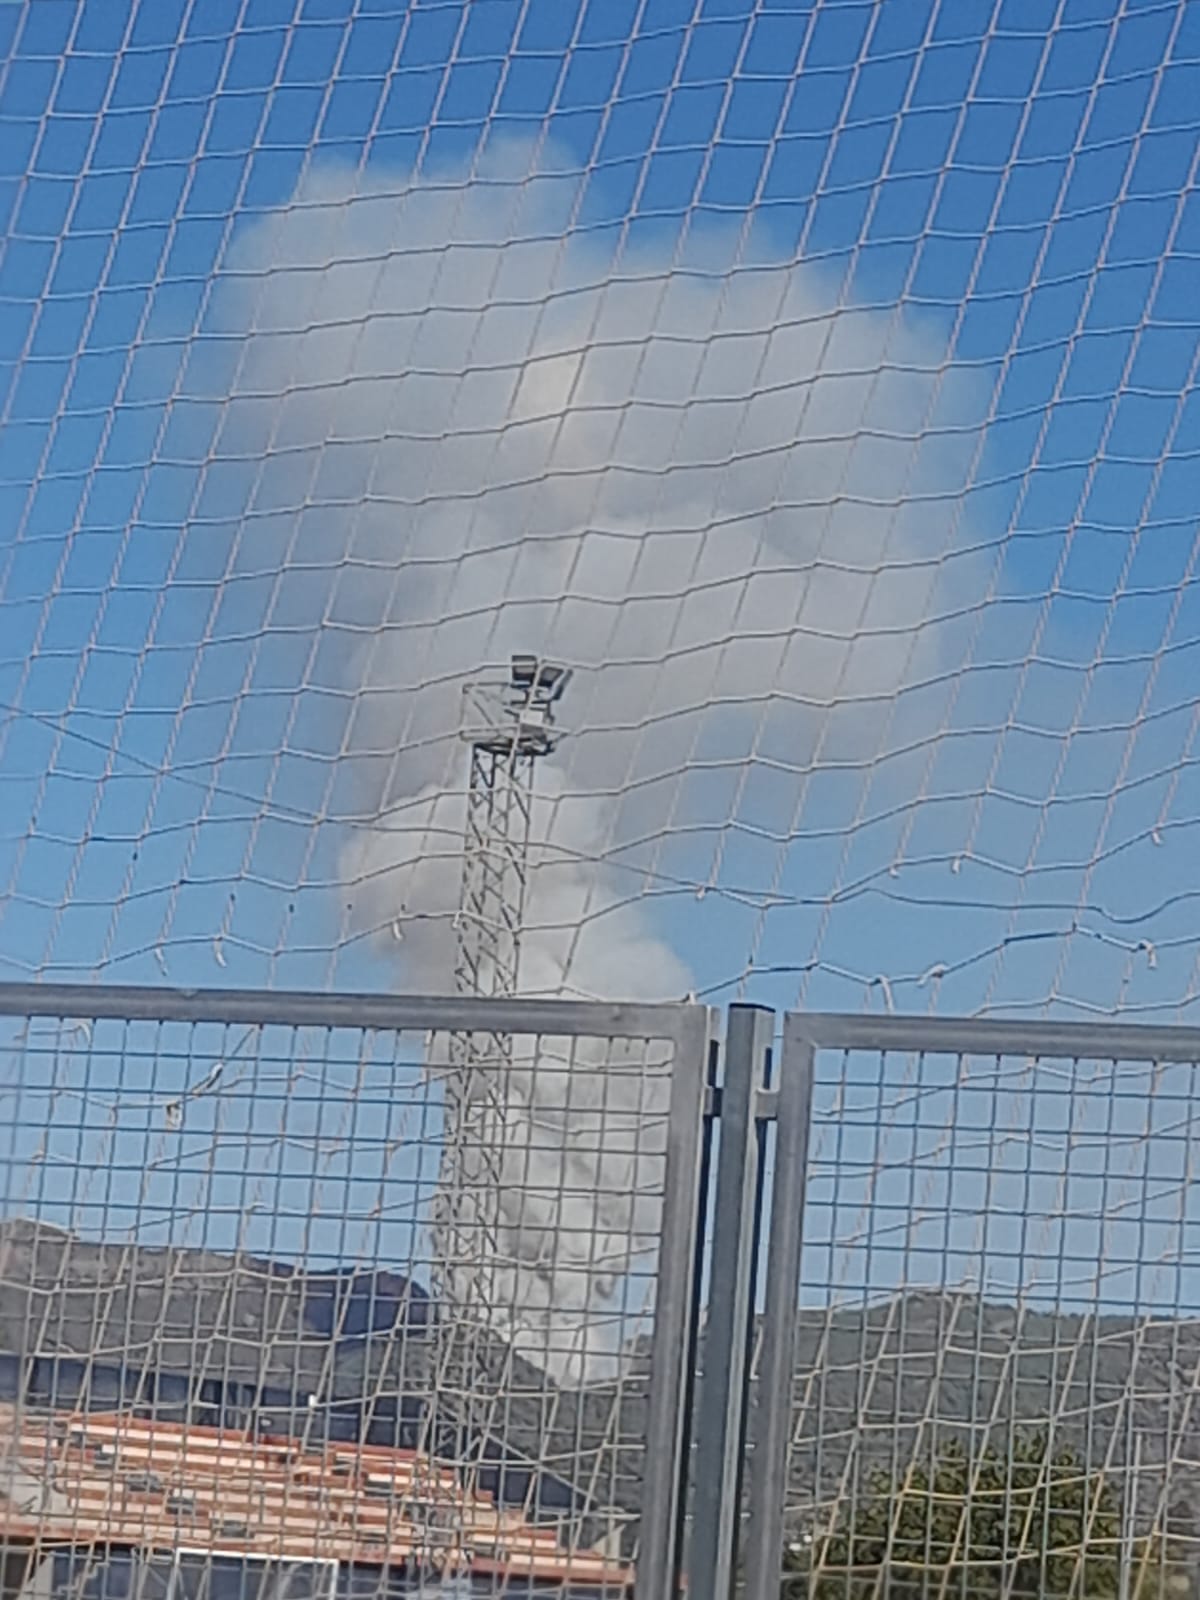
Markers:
(993, 1369)
(228, 1309)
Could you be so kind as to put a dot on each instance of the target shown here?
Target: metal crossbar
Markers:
(298, 1008)
(1104, 1041)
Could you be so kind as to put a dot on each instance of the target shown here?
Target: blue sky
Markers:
(1016, 179)
(888, 144)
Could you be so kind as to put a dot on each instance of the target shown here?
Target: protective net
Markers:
(816, 380)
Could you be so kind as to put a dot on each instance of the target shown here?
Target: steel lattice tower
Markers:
(508, 724)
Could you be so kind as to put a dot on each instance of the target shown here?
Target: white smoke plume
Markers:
(728, 500)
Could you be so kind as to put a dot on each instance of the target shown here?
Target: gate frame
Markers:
(686, 1026)
(805, 1035)
(720, 1423)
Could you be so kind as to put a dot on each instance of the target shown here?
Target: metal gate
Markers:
(979, 1246)
(814, 1253)
(218, 1213)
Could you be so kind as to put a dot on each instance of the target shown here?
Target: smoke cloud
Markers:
(724, 497)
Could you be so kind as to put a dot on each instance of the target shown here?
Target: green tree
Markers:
(1031, 1524)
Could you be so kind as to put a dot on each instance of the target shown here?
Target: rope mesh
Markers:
(817, 380)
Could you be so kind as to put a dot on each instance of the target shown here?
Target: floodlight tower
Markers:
(508, 723)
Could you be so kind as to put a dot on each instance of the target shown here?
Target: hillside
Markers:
(874, 1385)
(243, 1342)
(353, 1353)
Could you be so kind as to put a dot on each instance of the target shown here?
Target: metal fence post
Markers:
(700, 1255)
(666, 1459)
(712, 1550)
(769, 1463)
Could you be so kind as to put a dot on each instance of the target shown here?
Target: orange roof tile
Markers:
(118, 1479)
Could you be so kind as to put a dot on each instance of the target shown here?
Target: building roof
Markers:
(354, 1353)
(118, 1479)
